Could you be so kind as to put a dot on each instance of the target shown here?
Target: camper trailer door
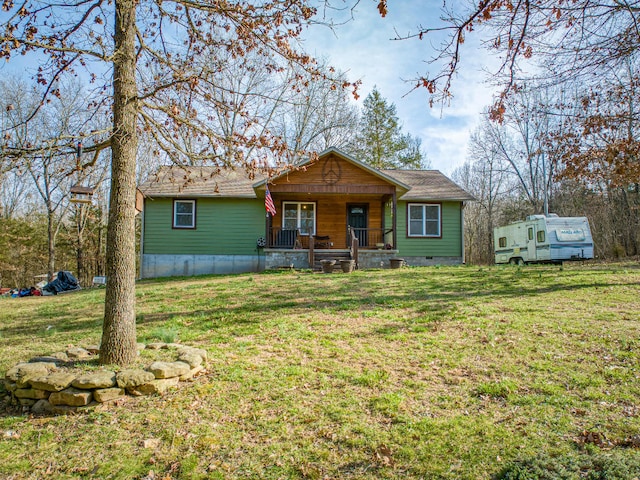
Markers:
(531, 243)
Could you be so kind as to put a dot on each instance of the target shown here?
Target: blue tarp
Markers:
(64, 283)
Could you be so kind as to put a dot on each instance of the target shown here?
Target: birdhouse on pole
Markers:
(79, 193)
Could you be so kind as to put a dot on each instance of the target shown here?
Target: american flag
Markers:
(268, 203)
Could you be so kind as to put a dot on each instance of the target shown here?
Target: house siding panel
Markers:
(449, 245)
(223, 227)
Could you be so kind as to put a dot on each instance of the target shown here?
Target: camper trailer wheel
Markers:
(516, 261)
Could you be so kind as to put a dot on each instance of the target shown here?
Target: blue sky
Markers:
(363, 48)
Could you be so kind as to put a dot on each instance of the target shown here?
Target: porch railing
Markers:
(286, 238)
(372, 237)
(368, 238)
(353, 246)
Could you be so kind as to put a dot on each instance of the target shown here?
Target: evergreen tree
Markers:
(380, 141)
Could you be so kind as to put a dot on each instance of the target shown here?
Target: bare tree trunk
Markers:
(119, 327)
(51, 243)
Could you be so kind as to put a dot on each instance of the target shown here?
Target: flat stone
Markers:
(133, 377)
(140, 346)
(53, 382)
(27, 402)
(41, 406)
(23, 372)
(101, 379)
(71, 397)
(78, 353)
(106, 394)
(198, 351)
(168, 369)
(32, 393)
(156, 345)
(93, 349)
(60, 355)
(193, 359)
(49, 359)
(63, 410)
(158, 386)
(10, 386)
(192, 373)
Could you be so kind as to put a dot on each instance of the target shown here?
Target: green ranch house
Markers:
(197, 221)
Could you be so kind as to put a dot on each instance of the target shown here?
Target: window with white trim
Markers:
(299, 216)
(424, 220)
(184, 214)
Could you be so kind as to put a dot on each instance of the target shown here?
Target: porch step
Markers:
(336, 255)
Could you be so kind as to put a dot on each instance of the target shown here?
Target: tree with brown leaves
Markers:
(153, 63)
(558, 42)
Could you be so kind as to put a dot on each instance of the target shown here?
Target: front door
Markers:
(358, 219)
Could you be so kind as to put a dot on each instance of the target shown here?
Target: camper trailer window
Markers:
(541, 236)
(530, 233)
(502, 242)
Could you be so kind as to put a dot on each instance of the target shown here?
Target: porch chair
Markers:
(322, 241)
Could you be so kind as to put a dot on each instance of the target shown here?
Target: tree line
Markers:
(42, 231)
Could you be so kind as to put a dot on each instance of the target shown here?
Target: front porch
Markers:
(276, 258)
(337, 207)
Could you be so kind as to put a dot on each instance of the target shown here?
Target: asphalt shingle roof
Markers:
(174, 181)
(428, 185)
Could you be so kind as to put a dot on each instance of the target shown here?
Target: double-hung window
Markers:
(424, 220)
(184, 214)
(299, 216)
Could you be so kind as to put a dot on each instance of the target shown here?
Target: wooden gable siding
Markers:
(449, 245)
(331, 213)
(224, 226)
(316, 179)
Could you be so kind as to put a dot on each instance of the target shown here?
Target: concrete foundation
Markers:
(186, 265)
(431, 261)
(278, 258)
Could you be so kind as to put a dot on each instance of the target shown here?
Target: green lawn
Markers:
(451, 372)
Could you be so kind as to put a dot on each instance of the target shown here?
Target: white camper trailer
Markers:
(541, 239)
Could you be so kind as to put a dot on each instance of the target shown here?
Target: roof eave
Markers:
(198, 195)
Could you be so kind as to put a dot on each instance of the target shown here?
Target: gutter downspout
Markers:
(464, 260)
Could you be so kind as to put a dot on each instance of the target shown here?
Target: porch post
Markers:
(394, 215)
(267, 226)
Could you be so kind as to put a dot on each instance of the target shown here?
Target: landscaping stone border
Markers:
(47, 384)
